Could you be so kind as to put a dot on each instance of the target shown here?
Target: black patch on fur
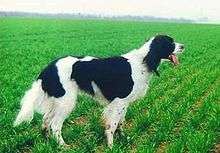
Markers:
(111, 75)
(51, 82)
(161, 47)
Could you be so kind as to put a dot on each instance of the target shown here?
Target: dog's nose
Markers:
(181, 47)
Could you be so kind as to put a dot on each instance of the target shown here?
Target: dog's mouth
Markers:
(173, 58)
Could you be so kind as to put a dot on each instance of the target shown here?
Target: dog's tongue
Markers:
(174, 59)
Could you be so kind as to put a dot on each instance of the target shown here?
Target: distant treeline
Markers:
(91, 16)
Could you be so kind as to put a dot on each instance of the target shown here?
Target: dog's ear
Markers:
(152, 62)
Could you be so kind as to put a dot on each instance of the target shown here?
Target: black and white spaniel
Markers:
(115, 82)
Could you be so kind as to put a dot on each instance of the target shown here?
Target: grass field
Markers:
(181, 112)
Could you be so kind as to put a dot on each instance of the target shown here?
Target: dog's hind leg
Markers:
(112, 115)
(46, 121)
(62, 108)
(56, 111)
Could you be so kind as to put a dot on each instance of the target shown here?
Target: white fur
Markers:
(28, 103)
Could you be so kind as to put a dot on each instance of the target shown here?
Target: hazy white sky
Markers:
(192, 9)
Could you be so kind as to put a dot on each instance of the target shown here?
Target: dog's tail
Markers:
(28, 102)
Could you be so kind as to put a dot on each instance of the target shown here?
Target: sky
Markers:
(189, 9)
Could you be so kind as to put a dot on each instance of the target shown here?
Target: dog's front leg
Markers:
(113, 113)
(121, 124)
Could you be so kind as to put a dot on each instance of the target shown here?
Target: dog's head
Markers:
(162, 47)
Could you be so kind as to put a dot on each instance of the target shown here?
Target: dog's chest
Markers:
(141, 77)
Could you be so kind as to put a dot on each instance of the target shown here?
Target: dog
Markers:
(114, 82)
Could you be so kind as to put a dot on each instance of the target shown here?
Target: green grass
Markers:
(180, 113)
